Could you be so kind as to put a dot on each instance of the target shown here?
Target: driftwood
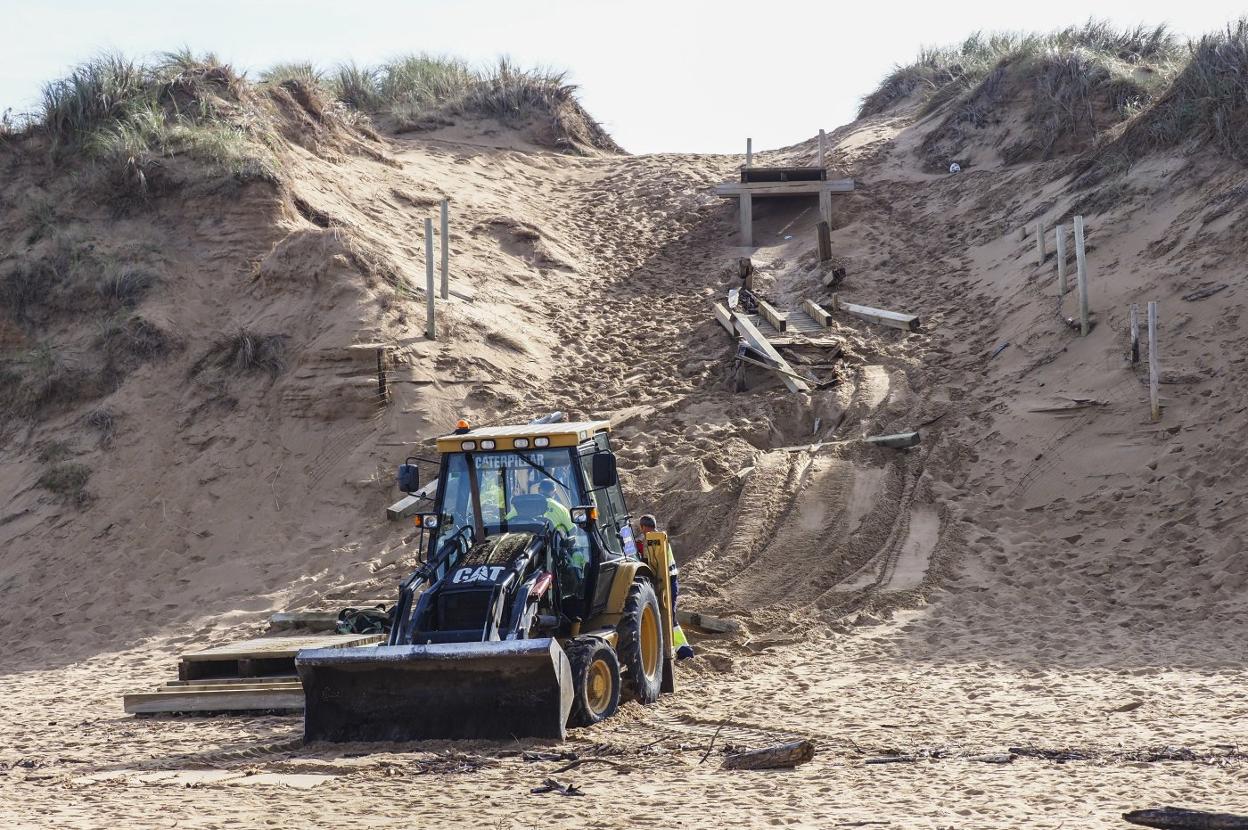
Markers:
(895, 759)
(550, 785)
(619, 768)
(1201, 293)
(1175, 818)
(773, 757)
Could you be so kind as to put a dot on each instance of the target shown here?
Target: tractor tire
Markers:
(641, 647)
(595, 681)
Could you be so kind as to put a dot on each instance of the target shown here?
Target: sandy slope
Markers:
(1068, 580)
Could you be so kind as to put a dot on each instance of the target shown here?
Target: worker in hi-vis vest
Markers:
(684, 651)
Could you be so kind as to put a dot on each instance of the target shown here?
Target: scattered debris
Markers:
(782, 756)
(1202, 293)
(998, 350)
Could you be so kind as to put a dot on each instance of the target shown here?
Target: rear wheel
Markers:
(641, 644)
(595, 681)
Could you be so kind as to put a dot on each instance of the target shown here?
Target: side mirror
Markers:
(409, 477)
(604, 472)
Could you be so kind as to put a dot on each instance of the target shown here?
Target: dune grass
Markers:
(940, 75)
(415, 87)
(130, 117)
(1208, 99)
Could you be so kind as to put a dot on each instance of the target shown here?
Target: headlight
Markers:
(521, 443)
(541, 442)
(468, 445)
(487, 444)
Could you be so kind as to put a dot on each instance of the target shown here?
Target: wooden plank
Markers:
(817, 313)
(266, 647)
(230, 682)
(403, 508)
(898, 441)
(823, 155)
(262, 685)
(756, 339)
(894, 319)
(733, 189)
(779, 320)
(724, 316)
(1041, 254)
(230, 700)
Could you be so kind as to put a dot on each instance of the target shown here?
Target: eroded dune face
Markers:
(231, 367)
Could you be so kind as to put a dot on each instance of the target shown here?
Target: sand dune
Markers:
(1032, 576)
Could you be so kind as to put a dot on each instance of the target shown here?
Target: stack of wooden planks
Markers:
(252, 675)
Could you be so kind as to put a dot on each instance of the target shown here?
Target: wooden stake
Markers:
(446, 249)
(430, 328)
(1081, 277)
(1040, 253)
(1135, 333)
(822, 150)
(749, 152)
(825, 241)
(747, 220)
(1060, 230)
(1154, 368)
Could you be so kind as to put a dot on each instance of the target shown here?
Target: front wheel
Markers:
(595, 681)
(641, 643)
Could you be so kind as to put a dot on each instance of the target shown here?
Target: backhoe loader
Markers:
(534, 608)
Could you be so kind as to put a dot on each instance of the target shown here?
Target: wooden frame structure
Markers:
(763, 182)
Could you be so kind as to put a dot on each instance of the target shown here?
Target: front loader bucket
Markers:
(492, 690)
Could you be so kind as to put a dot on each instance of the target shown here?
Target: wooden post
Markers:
(1081, 276)
(446, 249)
(1154, 369)
(749, 152)
(1135, 333)
(1040, 253)
(824, 231)
(430, 329)
(822, 150)
(747, 220)
(1060, 230)
(825, 206)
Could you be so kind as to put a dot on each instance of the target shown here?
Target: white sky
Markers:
(678, 75)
